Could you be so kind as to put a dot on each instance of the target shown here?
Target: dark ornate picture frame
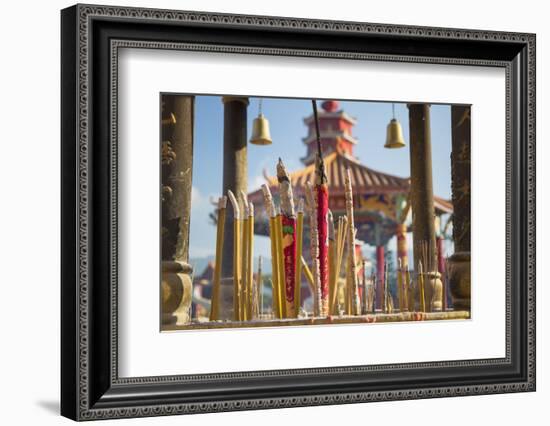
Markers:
(90, 38)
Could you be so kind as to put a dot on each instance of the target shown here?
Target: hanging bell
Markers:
(260, 131)
(394, 135)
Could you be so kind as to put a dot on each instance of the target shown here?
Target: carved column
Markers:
(235, 178)
(176, 170)
(422, 203)
(459, 263)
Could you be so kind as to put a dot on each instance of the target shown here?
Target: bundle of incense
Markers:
(351, 242)
(299, 246)
(321, 205)
(236, 257)
(215, 306)
(314, 246)
(409, 290)
(280, 261)
(244, 256)
(341, 233)
(288, 218)
(271, 212)
(331, 260)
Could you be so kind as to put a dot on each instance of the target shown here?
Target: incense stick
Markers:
(299, 247)
(270, 209)
(308, 274)
(342, 236)
(236, 256)
(400, 286)
(215, 300)
(421, 287)
(331, 260)
(351, 242)
(250, 261)
(364, 307)
(288, 219)
(260, 287)
(244, 302)
(321, 206)
(280, 262)
(314, 246)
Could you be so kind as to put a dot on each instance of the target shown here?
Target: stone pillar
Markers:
(422, 202)
(459, 263)
(235, 178)
(176, 170)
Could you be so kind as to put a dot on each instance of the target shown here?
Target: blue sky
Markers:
(287, 130)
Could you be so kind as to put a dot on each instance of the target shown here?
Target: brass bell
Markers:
(260, 131)
(394, 135)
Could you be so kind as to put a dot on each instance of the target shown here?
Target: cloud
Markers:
(256, 182)
(202, 232)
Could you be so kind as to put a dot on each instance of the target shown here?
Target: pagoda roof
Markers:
(363, 178)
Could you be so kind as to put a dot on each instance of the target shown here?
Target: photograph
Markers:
(280, 212)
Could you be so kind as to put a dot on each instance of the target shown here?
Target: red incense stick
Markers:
(321, 201)
(289, 237)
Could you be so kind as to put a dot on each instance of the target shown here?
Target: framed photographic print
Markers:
(266, 212)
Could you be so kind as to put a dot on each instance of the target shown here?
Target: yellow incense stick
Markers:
(270, 209)
(353, 284)
(347, 304)
(299, 246)
(342, 236)
(421, 287)
(409, 293)
(244, 269)
(236, 256)
(274, 267)
(308, 274)
(331, 261)
(215, 304)
(250, 261)
(400, 286)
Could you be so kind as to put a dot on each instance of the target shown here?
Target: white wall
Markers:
(29, 209)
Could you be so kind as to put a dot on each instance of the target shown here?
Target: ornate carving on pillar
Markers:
(177, 165)
(176, 292)
(459, 264)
